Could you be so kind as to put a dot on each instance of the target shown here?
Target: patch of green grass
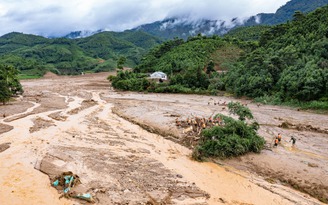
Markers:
(320, 106)
(26, 76)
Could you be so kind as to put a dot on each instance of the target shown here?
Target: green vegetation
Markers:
(191, 66)
(240, 110)
(247, 33)
(35, 55)
(121, 61)
(9, 83)
(287, 64)
(321, 105)
(233, 138)
(25, 76)
(291, 62)
(129, 81)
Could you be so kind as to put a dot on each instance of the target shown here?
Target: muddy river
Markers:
(126, 149)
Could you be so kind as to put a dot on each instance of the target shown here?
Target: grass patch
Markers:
(26, 76)
(320, 106)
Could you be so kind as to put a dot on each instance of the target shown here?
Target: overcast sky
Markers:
(59, 17)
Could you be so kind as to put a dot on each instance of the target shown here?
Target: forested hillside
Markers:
(248, 33)
(192, 66)
(34, 55)
(288, 62)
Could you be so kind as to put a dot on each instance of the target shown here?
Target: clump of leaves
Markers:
(242, 111)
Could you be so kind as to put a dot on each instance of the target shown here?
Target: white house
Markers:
(158, 75)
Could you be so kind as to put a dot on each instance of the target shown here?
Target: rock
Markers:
(312, 165)
(222, 200)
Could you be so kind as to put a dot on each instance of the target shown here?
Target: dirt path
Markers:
(71, 126)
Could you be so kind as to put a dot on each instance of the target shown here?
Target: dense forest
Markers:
(288, 63)
(247, 33)
(34, 55)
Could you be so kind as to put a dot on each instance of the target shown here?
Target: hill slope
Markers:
(192, 66)
(35, 54)
(291, 62)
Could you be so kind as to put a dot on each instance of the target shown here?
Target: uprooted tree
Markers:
(233, 138)
(9, 83)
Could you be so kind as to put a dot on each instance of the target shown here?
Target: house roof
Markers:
(158, 73)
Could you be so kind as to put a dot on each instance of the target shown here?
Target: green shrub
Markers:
(234, 138)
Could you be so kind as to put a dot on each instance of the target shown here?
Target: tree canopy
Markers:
(9, 83)
(291, 61)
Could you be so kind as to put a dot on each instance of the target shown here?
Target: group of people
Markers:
(277, 140)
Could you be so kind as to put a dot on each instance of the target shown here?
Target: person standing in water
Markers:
(276, 142)
(279, 137)
(293, 139)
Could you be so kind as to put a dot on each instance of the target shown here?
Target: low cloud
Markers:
(46, 17)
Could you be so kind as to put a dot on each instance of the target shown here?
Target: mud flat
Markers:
(71, 126)
(303, 167)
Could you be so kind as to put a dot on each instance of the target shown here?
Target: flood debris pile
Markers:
(234, 138)
(192, 127)
(223, 136)
(65, 184)
(110, 177)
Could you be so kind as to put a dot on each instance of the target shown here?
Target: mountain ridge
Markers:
(184, 29)
(34, 55)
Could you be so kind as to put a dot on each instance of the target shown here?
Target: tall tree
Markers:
(120, 62)
(9, 83)
(4, 92)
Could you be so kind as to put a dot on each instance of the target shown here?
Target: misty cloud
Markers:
(54, 18)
